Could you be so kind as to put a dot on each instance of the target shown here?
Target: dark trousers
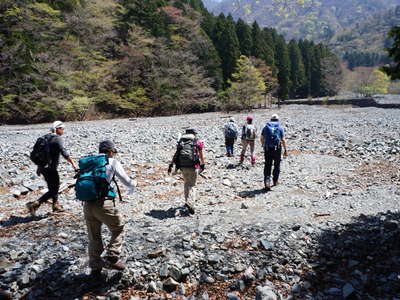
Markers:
(53, 184)
(272, 156)
(229, 142)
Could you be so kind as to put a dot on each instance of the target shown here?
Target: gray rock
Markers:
(265, 293)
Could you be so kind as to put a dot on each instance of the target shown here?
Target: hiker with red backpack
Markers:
(46, 155)
(93, 188)
(189, 158)
(272, 139)
(231, 133)
(249, 135)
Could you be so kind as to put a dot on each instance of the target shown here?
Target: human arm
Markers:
(285, 153)
(201, 155)
(60, 143)
(72, 162)
(121, 174)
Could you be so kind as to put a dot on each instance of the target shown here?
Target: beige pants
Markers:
(244, 147)
(97, 213)
(189, 178)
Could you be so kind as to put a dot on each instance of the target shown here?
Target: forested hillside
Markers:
(80, 59)
(355, 29)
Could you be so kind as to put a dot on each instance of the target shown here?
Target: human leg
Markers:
(190, 178)
(277, 163)
(244, 148)
(252, 154)
(95, 247)
(267, 168)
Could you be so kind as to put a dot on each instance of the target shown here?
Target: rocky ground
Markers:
(330, 230)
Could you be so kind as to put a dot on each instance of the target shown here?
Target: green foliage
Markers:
(77, 108)
(247, 86)
(394, 52)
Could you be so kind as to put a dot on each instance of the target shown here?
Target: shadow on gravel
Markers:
(56, 282)
(358, 260)
(15, 220)
(168, 214)
(253, 193)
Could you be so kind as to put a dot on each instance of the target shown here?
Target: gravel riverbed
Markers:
(329, 230)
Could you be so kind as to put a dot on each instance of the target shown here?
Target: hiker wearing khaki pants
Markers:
(189, 158)
(103, 211)
(97, 213)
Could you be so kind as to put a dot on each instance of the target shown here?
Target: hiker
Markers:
(230, 133)
(189, 158)
(103, 211)
(249, 135)
(272, 139)
(55, 147)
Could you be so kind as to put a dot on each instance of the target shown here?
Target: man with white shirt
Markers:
(103, 211)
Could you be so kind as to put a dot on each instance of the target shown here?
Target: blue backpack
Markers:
(272, 136)
(91, 183)
(231, 131)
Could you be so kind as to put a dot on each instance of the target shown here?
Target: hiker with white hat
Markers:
(272, 140)
(46, 155)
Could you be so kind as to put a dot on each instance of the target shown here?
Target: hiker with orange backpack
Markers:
(249, 135)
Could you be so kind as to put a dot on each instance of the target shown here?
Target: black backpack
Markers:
(187, 153)
(40, 154)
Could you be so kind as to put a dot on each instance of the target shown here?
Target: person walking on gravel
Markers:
(55, 148)
(249, 135)
(189, 158)
(230, 132)
(272, 139)
(103, 211)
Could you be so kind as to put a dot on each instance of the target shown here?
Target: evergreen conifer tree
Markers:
(243, 32)
(297, 73)
(283, 64)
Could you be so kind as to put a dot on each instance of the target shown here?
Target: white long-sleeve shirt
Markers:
(115, 168)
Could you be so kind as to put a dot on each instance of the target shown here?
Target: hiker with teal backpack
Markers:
(231, 133)
(272, 140)
(93, 187)
(189, 158)
(46, 156)
(249, 134)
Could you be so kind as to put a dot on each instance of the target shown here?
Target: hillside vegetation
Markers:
(348, 26)
(86, 59)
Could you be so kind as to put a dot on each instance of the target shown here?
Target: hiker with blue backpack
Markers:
(272, 139)
(189, 158)
(231, 133)
(46, 156)
(94, 188)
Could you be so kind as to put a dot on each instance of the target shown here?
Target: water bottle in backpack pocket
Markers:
(91, 183)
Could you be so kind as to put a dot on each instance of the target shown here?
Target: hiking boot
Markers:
(113, 263)
(253, 160)
(57, 208)
(267, 184)
(275, 182)
(32, 207)
(241, 158)
(190, 208)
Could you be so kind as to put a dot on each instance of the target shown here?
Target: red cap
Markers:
(249, 118)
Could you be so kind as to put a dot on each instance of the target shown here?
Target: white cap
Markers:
(57, 124)
(275, 117)
(231, 119)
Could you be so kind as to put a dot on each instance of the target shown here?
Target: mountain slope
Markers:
(318, 20)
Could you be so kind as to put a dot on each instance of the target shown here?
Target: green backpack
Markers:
(91, 183)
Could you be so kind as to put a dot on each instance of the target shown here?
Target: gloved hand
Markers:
(202, 167)
(170, 168)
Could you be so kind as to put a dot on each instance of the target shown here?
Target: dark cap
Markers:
(191, 131)
(107, 145)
